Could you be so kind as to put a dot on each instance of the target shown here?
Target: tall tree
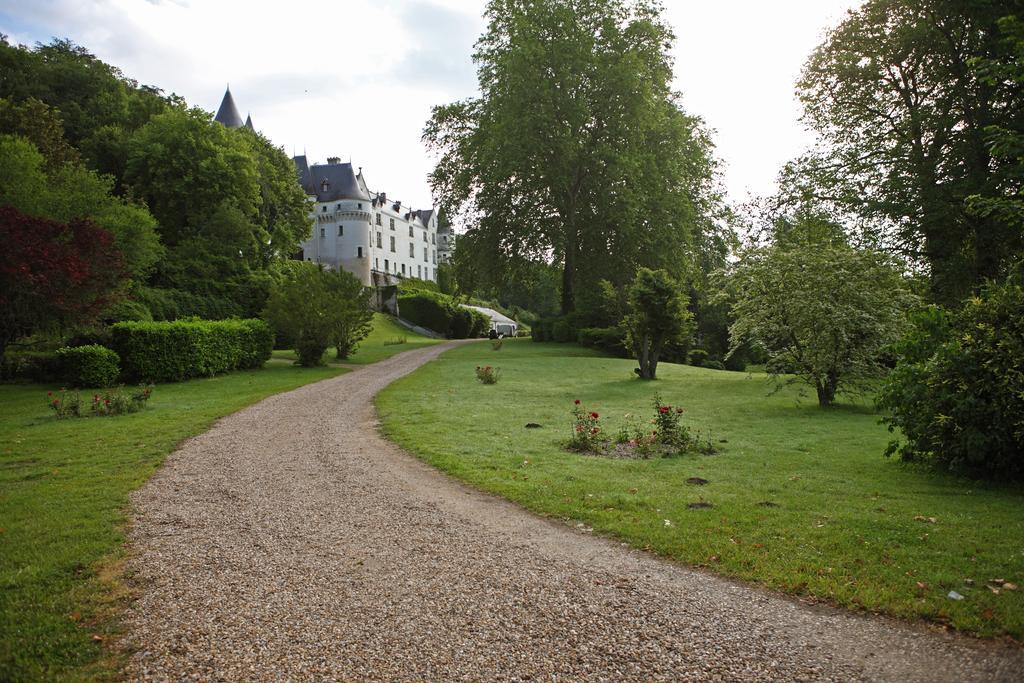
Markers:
(895, 93)
(576, 151)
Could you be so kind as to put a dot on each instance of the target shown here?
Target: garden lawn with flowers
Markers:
(64, 486)
(794, 497)
(385, 340)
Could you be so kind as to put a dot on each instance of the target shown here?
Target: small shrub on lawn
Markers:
(586, 430)
(395, 342)
(697, 358)
(496, 344)
(64, 403)
(487, 374)
(119, 402)
(89, 366)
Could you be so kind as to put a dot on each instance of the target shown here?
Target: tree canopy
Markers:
(899, 94)
(577, 151)
(824, 311)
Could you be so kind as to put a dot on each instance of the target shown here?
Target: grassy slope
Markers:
(64, 488)
(378, 345)
(844, 530)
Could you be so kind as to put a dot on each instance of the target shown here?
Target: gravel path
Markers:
(292, 542)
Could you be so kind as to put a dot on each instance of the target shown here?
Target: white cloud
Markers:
(357, 78)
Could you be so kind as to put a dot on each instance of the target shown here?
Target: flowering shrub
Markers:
(487, 374)
(586, 430)
(111, 402)
(667, 422)
(119, 402)
(64, 403)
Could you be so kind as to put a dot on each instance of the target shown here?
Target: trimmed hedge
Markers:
(425, 309)
(440, 313)
(89, 366)
(180, 350)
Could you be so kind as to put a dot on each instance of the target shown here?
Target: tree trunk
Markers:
(826, 390)
(644, 358)
(569, 273)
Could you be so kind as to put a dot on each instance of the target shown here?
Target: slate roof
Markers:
(330, 182)
(228, 114)
(248, 122)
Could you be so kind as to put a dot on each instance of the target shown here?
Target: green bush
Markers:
(89, 366)
(737, 362)
(697, 358)
(426, 309)
(957, 392)
(561, 331)
(126, 310)
(608, 339)
(37, 366)
(460, 324)
(537, 331)
(714, 365)
(481, 325)
(182, 349)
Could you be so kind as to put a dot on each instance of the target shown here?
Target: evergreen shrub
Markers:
(561, 331)
(608, 339)
(697, 358)
(957, 393)
(182, 349)
(89, 366)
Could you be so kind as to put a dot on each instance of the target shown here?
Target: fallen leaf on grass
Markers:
(922, 518)
(1009, 586)
(987, 614)
(97, 638)
(922, 586)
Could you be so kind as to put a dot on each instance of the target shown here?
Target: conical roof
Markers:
(228, 114)
(248, 122)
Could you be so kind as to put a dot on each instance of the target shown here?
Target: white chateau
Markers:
(375, 238)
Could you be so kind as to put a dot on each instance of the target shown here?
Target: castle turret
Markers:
(228, 114)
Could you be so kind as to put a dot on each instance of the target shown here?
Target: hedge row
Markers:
(179, 350)
(440, 313)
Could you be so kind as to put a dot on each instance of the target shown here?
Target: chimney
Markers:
(333, 160)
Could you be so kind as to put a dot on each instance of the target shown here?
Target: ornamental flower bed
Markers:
(111, 402)
(662, 436)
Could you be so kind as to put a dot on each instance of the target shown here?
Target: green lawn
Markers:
(64, 488)
(844, 529)
(383, 342)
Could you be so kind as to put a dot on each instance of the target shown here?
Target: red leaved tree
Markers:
(54, 273)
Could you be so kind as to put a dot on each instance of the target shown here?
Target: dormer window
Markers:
(324, 185)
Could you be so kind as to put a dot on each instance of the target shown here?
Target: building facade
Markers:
(377, 239)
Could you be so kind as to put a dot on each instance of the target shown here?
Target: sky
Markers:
(357, 78)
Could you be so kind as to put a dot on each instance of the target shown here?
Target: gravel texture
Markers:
(292, 542)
